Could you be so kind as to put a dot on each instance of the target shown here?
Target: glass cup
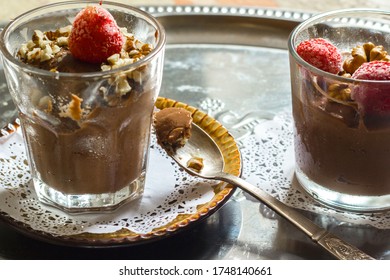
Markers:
(87, 134)
(341, 124)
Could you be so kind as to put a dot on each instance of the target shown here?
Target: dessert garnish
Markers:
(322, 54)
(73, 110)
(373, 100)
(365, 53)
(65, 50)
(173, 128)
(195, 163)
(339, 91)
(95, 35)
(363, 62)
(374, 70)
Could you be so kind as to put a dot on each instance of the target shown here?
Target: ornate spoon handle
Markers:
(339, 248)
(334, 245)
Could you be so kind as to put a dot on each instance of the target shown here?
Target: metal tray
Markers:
(231, 63)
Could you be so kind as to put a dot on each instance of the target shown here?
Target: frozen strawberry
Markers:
(95, 36)
(373, 98)
(321, 54)
(373, 70)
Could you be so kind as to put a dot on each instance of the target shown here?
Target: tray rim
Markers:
(226, 10)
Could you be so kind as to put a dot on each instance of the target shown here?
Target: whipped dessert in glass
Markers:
(85, 77)
(340, 77)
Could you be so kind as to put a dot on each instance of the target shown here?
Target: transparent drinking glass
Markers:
(341, 124)
(87, 134)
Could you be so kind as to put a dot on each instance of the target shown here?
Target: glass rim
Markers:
(129, 67)
(317, 18)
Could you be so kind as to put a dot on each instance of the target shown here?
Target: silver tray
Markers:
(231, 63)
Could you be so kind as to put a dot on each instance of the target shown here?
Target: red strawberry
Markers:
(373, 70)
(321, 54)
(95, 36)
(373, 98)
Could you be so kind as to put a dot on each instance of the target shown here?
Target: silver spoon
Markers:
(201, 145)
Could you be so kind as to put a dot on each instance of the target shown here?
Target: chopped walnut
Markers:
(132, 51)
(195, 163)
(62, 32)
(44, 45)
(366, 53)
(340, 91)
(45, 104)
(379, 53)
(122, 86)
(73, 110)
(359, 56)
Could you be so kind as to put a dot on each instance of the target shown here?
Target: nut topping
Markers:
(340, 91)
(366, 53)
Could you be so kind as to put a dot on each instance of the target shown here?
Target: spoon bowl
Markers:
(202, 146)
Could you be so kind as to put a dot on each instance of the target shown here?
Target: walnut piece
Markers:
(358, 57)
(340, 91)
(379, 53)
(73, 110)
(195, 163)
(366, 53)
(44, 45)
(132, 51)
(45, 104)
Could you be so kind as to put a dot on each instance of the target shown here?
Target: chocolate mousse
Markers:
(173, 127)
(335, 149)
(88, 135)
(338, 143)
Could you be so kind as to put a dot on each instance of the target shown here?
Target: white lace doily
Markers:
(268, 162)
